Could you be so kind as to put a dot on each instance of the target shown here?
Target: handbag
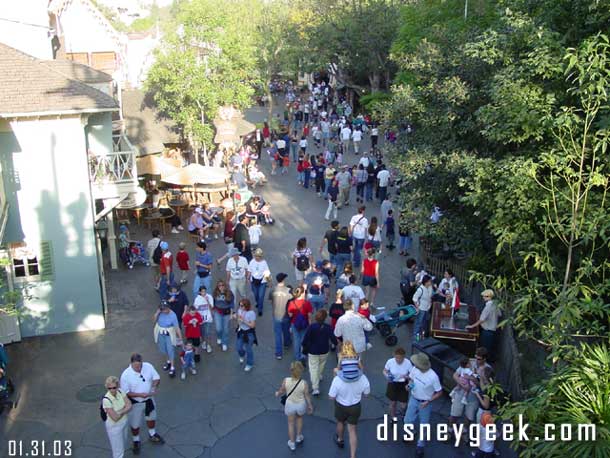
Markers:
(285, 397)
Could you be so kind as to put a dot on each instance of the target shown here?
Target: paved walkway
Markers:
(222, 412)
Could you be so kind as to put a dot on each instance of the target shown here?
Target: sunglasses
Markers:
(142, 377)
(113, 387)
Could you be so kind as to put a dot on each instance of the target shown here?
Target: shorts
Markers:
(349, 414)
(295, 408)
(458, 409)
(164, 343)
(369, 281)
(300, 275)
(137, 412)
(196, 341)
(397, 392)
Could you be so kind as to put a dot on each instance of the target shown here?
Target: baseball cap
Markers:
(164, 246)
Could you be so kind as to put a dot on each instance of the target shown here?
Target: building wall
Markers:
(83, 32)
(99, 133)
(46, 178)
(140, 57)
(27, 27)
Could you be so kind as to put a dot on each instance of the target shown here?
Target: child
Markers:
(486, 447)
(254, 232)
(204, 303)
(182, 258)
(285, 164)
(350, 367)
(187, 360)
(339, 159)
(192, 328)
(365, 311)
(464, 373)
(390, 226)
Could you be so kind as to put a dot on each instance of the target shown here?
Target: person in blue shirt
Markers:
(167, 335)
(318, 286)
(203, 268)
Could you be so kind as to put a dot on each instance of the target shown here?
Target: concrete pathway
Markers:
(222, 412)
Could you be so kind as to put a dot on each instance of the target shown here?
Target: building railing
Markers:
(119, 166)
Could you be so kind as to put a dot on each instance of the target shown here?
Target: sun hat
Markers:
(258, 252)
(164, 246)
(199, 210)
(421, 361)
(234, 251)
(488, 292)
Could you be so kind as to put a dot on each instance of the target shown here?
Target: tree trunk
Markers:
(270, 100)
(375, 82)
(206, 159)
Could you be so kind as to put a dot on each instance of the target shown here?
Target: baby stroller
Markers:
(387, 322)
(137, 254)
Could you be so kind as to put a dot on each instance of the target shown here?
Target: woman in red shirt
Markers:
(300, 312)
(266, 134)
(306, 172)
(370, 275)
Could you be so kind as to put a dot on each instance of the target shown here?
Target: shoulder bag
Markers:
(285, 397)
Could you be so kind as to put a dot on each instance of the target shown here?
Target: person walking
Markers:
(297, 403)
(140, 382)
(332, 195)
(246, 333)
(237, 267)
(425, 387)
(370, 275)
(329, 175)
(422, 299)
(117, 405)
(396, 372)
(203, 268)
(361, 177)
(383, 177)
(166, 270)
(317, 285)
(280, 295)
(302, 259)
(344, 182)
(344, 249)
(330, 240)
(223, 309)
(241, 237)
(347, 397)
(299, 311)
(258, 275)
(167, 335)
(204, 304)
(316, 344)
(358, 226)
(351, 326)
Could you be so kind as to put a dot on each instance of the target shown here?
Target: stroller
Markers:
(137, 254)
(387, 322)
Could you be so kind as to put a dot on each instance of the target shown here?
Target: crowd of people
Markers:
(326, 305)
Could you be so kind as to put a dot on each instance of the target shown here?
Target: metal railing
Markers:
(119, 166)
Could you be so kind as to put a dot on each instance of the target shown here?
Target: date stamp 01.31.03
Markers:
(39, 448)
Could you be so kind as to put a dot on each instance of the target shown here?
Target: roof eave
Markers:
(57, 113)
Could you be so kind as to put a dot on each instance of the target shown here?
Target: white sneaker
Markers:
(300, 439)
(209, 349)
(203, 345)
(180, 228)
(315, 393)
(183, 376)
(215, 236)
(193, 371)
(369, 346)
(175, 231)
(241, 360)
(224, 348)
(248, 368)
(292, 446)
(218, 341)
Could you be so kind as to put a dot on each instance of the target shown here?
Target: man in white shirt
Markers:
(139, 381)
(383, 177)
(346, 134)
(374, 136)
(425, 387)
(237, 266)
(353, 292)
(347, 397)
(358, 226)
(351, 326)
(364, 160)
(357, 138)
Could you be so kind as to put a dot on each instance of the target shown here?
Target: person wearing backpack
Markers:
(113, 410)
(302, 259)
(154, 254)
(299, 311)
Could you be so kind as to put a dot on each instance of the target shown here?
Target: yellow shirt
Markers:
(117, 403)
(298, 395)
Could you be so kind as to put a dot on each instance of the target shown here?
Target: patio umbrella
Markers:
(156, 165)
(194, 174)
(226, 132)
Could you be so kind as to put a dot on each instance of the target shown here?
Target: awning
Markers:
(195, 174)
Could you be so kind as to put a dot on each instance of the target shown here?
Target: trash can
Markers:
(444, 359)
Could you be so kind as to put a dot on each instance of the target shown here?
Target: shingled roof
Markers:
(30, 86)
(79, 72)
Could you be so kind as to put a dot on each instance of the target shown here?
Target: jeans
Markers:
(301, 177)
(341, 259)
(360, 190)
(404, 243)
(259, 295)
(222, 328)
(358, 244)
(316, 365)
(281, 332)
(318, 301)
(307, 174)
(245, 348)
(297, 341)
(422, 321)
(383, 192)
(294, 151)
(164, 287)
(415, 413)
(198, 282)
(488, 340)
(327, 183)
(368, 192)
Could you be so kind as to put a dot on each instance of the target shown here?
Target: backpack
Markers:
(300, 320)
(156, 257)
(103, 414)
(302, 262)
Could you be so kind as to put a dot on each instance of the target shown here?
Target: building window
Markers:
(30, 264)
